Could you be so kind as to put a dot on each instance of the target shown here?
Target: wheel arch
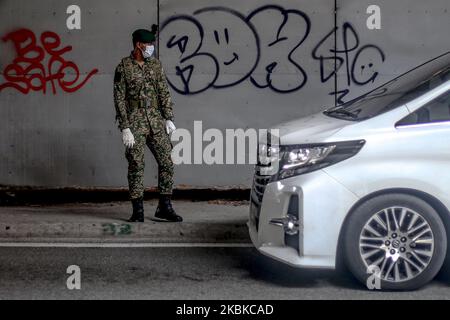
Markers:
(437, 205)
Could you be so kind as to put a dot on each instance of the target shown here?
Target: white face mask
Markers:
(148, 51)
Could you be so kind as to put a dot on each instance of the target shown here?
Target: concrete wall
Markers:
(67, 138)
(216, 54)
(412, 32)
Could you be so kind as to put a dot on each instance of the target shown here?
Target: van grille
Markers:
(259, 185)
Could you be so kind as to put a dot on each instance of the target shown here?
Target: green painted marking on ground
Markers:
(115, 229)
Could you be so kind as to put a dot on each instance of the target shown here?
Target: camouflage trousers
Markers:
(161, 147)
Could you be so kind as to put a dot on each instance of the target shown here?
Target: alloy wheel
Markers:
(398, 242)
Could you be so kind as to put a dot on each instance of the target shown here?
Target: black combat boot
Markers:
(138, 210)
(165, 212)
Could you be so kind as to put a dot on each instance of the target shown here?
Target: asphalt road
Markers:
(177, 273)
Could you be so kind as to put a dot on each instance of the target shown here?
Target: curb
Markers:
(14, 196)
(148, 232)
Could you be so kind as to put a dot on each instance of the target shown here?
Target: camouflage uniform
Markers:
(143, 104)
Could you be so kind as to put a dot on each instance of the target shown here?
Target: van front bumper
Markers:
(323, 205)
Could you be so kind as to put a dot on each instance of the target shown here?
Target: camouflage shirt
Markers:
(145, 85)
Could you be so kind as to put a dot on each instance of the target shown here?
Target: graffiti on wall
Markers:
(360, 69)
(225, 48)
(38, 65)
(220, 47)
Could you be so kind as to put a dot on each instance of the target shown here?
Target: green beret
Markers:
(144, 36)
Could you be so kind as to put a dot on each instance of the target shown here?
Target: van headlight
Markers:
(300, 159)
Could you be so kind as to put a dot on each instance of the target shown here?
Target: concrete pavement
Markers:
(204, 222)
(181, 268)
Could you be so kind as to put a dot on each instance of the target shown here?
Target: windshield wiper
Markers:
(343, 112)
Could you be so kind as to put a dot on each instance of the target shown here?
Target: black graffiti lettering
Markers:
(189, 55)
(370, 65)
(340, 95)
(360, 67)
(236, 63)
(346, 29)
(220, 48)
(330, 58)
(279, 42)
(181, 43)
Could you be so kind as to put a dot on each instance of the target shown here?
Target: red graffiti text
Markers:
(38, 64)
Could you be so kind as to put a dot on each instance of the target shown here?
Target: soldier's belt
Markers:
(139, 103)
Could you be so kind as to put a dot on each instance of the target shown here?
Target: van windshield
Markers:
(396, 92)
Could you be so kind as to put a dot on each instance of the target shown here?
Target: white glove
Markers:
(127, 138)
(170, 127)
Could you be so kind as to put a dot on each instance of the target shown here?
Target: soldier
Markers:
(144, 112)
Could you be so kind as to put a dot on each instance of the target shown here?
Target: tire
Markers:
(366, 235)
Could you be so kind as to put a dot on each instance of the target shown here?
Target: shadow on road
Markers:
(266, 269)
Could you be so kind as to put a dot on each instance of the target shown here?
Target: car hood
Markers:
(312, 129)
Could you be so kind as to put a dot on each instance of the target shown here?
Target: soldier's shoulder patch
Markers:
(117, 76)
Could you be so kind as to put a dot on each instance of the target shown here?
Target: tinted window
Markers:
(396, 92)
(437, 110)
